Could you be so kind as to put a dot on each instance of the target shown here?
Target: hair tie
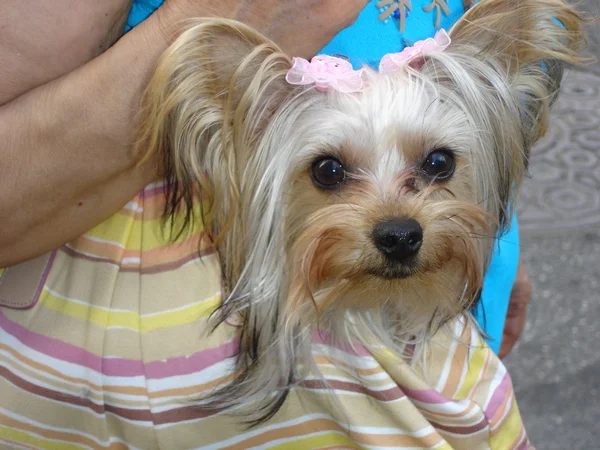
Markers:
(393, 62)
(326, 72)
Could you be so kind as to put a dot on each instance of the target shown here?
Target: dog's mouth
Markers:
(393, 272)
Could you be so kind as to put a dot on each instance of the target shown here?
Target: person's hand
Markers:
(517, 311)
(299, 27)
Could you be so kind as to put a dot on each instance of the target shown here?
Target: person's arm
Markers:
(66, 159)
(67, 162)
(517, 312)
(43, 40)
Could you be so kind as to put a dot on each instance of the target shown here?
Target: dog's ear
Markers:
(528, 41)
(506, 61)
(206, 105)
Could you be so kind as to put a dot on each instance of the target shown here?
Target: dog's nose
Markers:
(398, 239)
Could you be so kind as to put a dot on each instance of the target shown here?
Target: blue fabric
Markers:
(497, 285)
(366, 42)
(369, 38)
(140, 10)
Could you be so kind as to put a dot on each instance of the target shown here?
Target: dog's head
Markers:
(370, 213)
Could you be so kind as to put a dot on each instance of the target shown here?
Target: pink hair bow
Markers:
(393, 62)
(326, 72)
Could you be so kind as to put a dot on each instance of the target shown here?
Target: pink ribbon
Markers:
(393, 62)
(326, 72)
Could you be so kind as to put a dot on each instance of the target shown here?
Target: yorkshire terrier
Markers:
(362, 204)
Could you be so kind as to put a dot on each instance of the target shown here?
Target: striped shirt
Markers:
(114, 345)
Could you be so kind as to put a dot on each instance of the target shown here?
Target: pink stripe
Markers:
(135, 267)
(69, 353)
(498, 397)
(526, 445)
(118, 367)
(185, 365)
(426, 396)
(324, 338)
(523, 443)
(159, 190)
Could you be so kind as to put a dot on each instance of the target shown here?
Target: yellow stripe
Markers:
(331, 439)
(119, 229)
(26, 438)
(92, 314)
(182, 316)
(129, 319)
(475, 366)
(127, 231)
(157, 234)
(320, 441)
(509, 430)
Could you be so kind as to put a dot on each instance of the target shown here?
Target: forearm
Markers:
(67, 161)
(41, 41)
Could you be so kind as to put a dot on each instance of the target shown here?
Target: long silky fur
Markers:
(230, 129)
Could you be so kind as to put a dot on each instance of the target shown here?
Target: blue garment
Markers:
(370, 38)
(140, 10)
(497, 285)
(366, 42)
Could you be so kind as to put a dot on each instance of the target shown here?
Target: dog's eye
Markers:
(327, 173)
(439, 164)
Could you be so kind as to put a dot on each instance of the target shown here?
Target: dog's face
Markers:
(382, 202)
(370, 215)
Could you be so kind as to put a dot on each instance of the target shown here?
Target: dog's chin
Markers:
(391, 272)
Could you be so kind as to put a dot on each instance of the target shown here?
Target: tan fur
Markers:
(297, 259)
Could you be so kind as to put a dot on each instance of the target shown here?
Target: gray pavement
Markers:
(556, 365)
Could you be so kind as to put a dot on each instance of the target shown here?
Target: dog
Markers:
(363, 204)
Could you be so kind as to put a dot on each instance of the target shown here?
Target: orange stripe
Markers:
(191, 390)
(171, 252)
(153, 206)
(130, 390)
(60, 436)
(20, 444)
(504, 407)
(482, 373)
(328, 360)
(456, 370)
(145, 268)
(521, 438)
(163, 254)
(324, 425)
(434, 414)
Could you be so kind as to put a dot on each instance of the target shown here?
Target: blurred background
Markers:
(556, 365)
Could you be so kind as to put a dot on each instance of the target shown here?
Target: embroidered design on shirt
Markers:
(399, 9)
(439, 6)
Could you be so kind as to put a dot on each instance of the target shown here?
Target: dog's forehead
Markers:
(402, 114)
(388, 102)
(393, 122)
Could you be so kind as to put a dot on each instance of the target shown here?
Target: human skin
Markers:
(517, 311)
(68, 102)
